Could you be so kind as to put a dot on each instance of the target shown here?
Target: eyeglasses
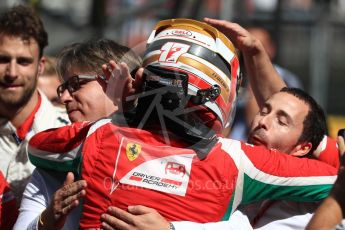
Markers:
(74, 83)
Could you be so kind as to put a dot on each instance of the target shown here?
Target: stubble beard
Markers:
(16, 100)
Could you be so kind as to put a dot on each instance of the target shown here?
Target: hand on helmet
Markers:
(264, 79)
(241, 38)
(121, 85)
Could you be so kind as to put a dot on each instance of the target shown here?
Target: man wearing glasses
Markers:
(84, 96)
(84, 89)
(77, 104)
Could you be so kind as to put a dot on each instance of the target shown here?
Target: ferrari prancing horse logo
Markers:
(132, 151)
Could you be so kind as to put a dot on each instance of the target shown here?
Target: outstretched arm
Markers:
(263, 77)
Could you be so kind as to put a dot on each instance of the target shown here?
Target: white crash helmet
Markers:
(205, 55)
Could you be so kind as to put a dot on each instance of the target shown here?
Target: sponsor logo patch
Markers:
(175, 169)
(167, 174)
(133, 150)
(182, 33)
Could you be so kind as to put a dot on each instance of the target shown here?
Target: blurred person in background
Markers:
(24, 110)
(247, 105)
(49, 80)
(290, 79)
(83, 92)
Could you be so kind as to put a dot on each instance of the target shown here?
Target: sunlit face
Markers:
(279, 124)
(19, 67)
(90, 102)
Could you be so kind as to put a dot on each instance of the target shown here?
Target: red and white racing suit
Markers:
(127, 166)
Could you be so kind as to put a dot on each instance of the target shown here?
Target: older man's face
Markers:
(89, 102)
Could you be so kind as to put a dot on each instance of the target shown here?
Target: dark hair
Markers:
(91, 55)
(314, 124)
(23, 22)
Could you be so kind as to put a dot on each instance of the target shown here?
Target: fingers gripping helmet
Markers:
(202, 58)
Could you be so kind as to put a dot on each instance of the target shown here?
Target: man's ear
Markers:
(41, 65)
(301, 149)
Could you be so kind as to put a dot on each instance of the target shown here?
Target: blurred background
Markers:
(309, 35)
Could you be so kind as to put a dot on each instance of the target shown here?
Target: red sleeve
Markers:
(327, 151)
(8, 207)
(60, 140)
(280, 164)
